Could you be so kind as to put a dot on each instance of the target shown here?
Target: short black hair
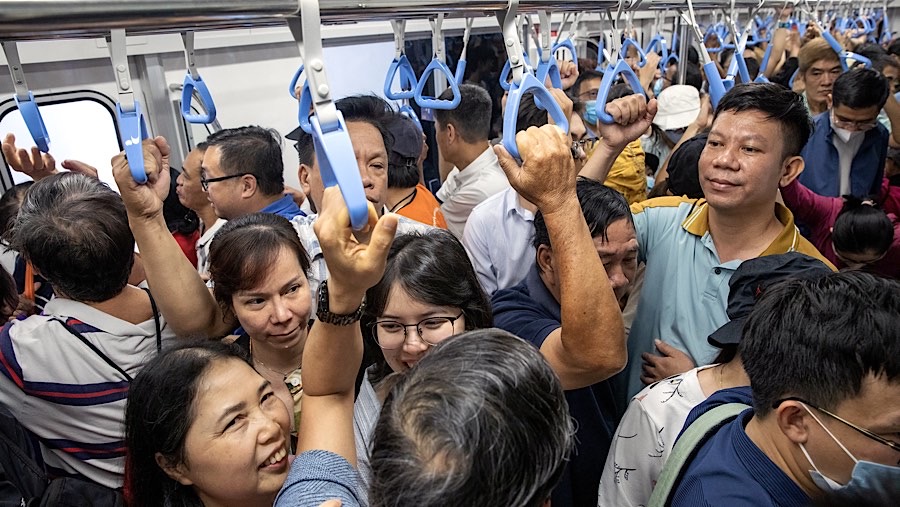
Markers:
(600, 205)
(74, 230)
(894, 47)
(251, 150)
(370, 109)
(860, 89)
(862, 229)
(776, 103)
(819, 339)
(472, 118)
(10, 203)
(585, 75)
(692, 76)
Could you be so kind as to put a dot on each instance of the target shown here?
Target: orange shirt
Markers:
(424, 208)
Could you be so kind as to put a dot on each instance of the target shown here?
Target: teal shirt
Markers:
(685, 291)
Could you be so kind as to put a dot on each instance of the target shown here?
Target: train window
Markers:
(81, 126)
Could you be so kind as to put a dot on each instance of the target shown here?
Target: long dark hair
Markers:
(158, 415)
(431, 267)
(861, 228)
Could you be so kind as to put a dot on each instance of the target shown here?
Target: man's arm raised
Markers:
(589, 346)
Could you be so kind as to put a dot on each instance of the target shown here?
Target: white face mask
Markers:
(846, 135)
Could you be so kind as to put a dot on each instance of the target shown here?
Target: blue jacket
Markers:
(822, 173)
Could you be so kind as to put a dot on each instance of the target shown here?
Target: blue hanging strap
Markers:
(658, 45)
(569, 42)
(28, 108)
(331, 139)
(714, 80)
(461, 63)
(609, 79)
(400, 66)
(132, 127)
(631, 43)
(408, 111)
(547, 66)
(193, 81)
(437, 65)
(522, 81)
(305, 108)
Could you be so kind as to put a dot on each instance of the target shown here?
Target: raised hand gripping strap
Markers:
(187, 93)
(623, 51)
(408, 82)
(550, 68)
(432, 102)
(609, 79)
(542, 98)
(568, 44)
(337, 165)
(133, 130)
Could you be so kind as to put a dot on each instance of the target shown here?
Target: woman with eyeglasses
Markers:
(429, 292)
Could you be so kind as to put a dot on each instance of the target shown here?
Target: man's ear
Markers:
(544, 257)
(452, 133)
(303, 177)
(249, 186)
(791, 419)
(176, 472)
(790, 170)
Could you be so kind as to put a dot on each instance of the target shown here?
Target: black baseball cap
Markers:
(684, 175)
(750, 281)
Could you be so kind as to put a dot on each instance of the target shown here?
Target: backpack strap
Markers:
(686, 447)
(156, 320)
(97, 351)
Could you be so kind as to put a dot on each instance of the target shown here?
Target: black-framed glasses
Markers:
(391, 334)
(870, 434)
(204, 181)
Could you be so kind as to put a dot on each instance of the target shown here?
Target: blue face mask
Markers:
(871, 481)
(590, 112)
(658, 87)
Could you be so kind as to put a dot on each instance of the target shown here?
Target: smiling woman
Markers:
(203, 428)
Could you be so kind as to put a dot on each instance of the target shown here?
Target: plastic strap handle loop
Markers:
(505, 82)
(28, 107)
(609, 78)
(432, 102)
(623, 52)
(133, 130)
(193, 81)
(551, 69)
(515, 65)
(408, 80)
(658, 45)
(337, 166)
(408, 111)
(542, 98)
(570, 45)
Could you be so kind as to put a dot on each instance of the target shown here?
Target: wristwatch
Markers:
(335, 319)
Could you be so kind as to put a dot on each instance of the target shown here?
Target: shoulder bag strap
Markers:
(156, 320)
(97, 351)
(685, 447)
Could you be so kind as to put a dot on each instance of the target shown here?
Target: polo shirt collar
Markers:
(762, 469)
(697, 223)
(540, 294)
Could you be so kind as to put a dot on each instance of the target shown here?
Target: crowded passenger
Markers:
(655, 416)
(189, 188)
(242, 172)
(797, 439)
(692, 247)
(818, 68)
(74, 230)
(845, 153)
(463, 138)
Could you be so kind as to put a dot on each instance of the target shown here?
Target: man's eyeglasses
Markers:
(854, 125)
(204, 181)
(878, 438)
(392, 334)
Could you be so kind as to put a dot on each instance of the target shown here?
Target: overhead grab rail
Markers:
(331, 139)
(132, 126)
(192, 82)
(522, 81)
(617, 67)
(547, 66)
(437, 65)
(24, 98)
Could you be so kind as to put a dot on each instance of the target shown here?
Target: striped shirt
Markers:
(66, 395)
